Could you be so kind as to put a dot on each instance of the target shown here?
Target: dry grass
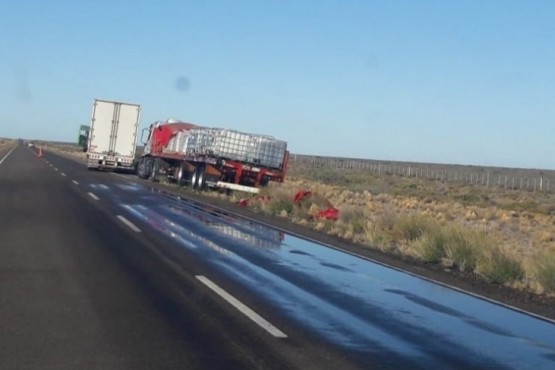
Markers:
(6, 145)
(67, 150)
(490, 232)
(498, 267)
(545, 271)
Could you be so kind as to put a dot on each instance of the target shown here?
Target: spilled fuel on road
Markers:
(364, 307)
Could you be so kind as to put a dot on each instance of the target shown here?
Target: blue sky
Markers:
(467, 82)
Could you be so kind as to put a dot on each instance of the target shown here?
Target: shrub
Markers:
(348, 214)
(301, 213)
(465, 246)
(413, 227)
(377, 236)
(325, 226)
(279, 205)
(353, 216)
(385, 220)
(461, 245)
(358, 226)
(431, 247)
(545, 271)
(496, 267)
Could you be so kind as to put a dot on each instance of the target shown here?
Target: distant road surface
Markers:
(101, 271)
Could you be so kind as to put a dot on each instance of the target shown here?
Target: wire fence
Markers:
(489, 177)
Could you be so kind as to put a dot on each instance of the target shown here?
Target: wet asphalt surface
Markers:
(80, 289)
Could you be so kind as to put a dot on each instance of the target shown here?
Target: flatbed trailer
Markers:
(203, 157)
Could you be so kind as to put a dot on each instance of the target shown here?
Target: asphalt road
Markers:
(100, 270)
(80, 289)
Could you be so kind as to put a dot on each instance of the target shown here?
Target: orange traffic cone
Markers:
(40, 153)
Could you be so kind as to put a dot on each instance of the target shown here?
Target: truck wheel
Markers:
(194, 178)
(181, 175)
(141, 169)
(198, 180)
(155, 174)
(201, 181)
(149, 162)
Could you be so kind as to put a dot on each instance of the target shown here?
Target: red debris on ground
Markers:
(330, 213)
(302, 195)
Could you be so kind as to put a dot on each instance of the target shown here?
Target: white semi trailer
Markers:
(113, 135)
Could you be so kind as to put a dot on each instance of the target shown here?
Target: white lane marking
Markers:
(6, 156)
(63, 174)
(51, 165)
(242, 308)
(92, 195)
(75, 182)
(55, 169)
(130, 224)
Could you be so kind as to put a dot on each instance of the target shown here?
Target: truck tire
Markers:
(194, 178)
(181, 175)
(149, 166)
(141, 169)
(201, 182)
(155, 173)
(199, 179)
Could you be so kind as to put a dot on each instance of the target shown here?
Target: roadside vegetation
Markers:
(501, 236)
(6, 144)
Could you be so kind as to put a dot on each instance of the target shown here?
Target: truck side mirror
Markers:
(143, 136)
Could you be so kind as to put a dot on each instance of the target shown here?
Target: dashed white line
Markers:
(242, 308)
(129, 224)
(75, 182)
(92, 195)
(55, 169)
(63, 174)
(6, 156)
